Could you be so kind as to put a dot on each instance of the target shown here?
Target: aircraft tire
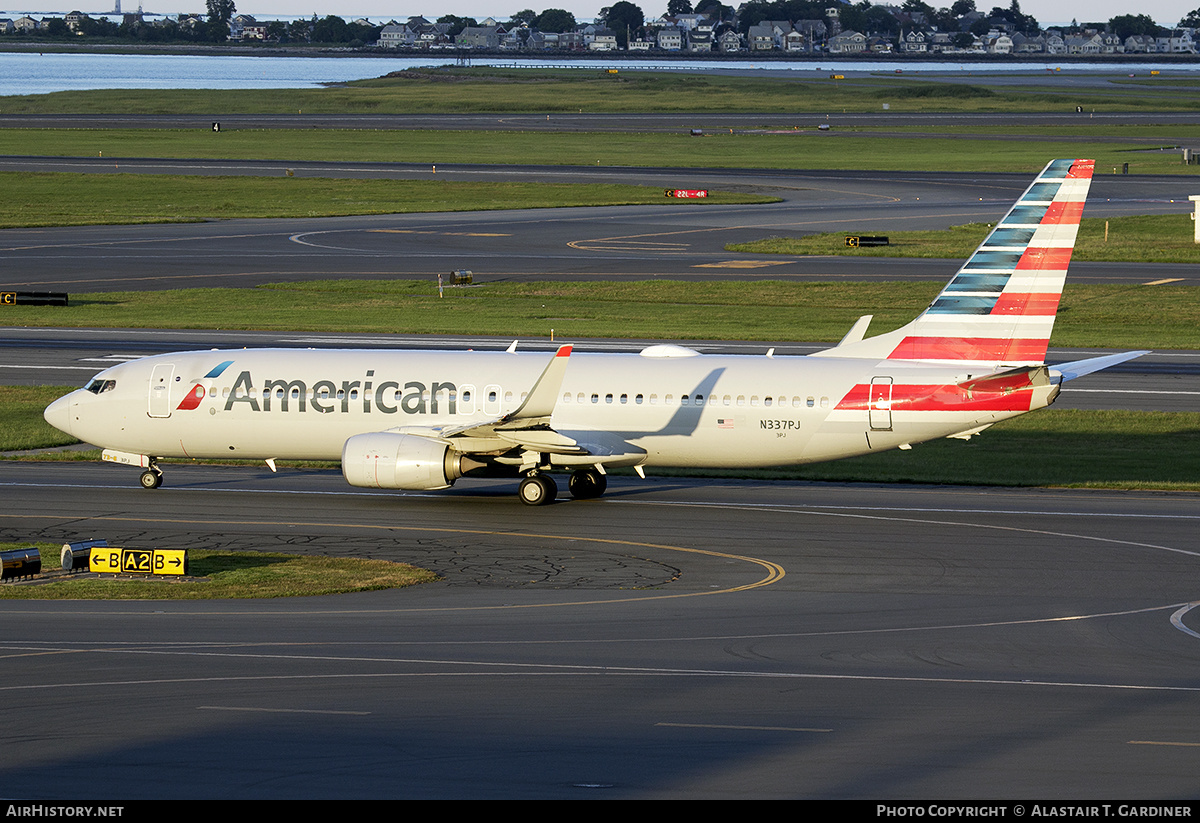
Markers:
(151, 479)
(586, 484)
(537, 490)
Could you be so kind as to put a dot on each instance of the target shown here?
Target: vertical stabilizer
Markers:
(999, 309)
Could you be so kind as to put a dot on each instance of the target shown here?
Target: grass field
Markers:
(790, 149)
(462, 90)
(54, 199)
(1090, 315)
(223, 574)
(1164, 238)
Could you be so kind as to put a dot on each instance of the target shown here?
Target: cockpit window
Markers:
(101, 386)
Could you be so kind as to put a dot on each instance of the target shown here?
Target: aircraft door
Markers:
(160, 389)
(879, 412)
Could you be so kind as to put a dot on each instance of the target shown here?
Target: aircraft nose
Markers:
(58, 414)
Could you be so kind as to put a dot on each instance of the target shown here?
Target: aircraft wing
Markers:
(526, 427)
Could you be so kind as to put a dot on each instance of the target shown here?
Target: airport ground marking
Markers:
(740, 728)
(514, 669)
(775, 572)
(277, 711)
(741, 264)
(627, 242)
(1177, 619)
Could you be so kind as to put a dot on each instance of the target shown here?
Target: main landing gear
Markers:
(538, 489)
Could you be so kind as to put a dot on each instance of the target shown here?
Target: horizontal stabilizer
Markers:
(1078, 368)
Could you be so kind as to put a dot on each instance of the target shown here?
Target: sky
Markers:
(1047, 12)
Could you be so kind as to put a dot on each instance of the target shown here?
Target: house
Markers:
(1139, 44)
(729, 41)
(670, 39)
(599, 38)
(396, 35)
(998, 43)
(700, 40)
(914, 42)
(479, 37)
(760, 38)
(848, 42)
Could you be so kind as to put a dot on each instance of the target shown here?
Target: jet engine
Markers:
(390, 460)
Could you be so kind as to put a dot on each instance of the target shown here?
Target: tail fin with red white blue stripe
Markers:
(999, 309)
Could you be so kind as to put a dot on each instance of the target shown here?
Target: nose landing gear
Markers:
(152, 477)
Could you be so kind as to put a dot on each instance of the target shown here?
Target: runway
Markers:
(674, 639)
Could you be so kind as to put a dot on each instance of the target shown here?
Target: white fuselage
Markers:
(700, 411)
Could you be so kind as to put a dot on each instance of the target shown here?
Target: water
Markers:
(35, 73)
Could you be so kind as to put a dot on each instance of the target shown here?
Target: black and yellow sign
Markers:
(865, 240)
(138, 561)
(33, 298)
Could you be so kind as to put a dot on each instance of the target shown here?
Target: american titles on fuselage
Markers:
(417, 397)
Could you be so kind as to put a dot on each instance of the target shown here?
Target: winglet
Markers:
(542, 397)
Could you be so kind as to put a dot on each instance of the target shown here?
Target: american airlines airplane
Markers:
(421, 420)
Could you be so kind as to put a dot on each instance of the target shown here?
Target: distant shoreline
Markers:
(451, 55)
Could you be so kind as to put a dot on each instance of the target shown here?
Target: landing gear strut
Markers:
(537, 490)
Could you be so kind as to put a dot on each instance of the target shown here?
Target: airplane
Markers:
(420, 420)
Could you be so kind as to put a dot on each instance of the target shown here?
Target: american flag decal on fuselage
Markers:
(1000, 307)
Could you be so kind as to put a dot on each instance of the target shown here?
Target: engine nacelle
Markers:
(390, 460)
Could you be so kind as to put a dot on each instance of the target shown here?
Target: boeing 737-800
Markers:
(420, 420)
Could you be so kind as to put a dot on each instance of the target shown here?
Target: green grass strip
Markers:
(1107, 316)
(224, 574)
(1157, 238)
(57, 199)
(487, 89)
(1055, 447)
(801, 148)
(21, 422)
